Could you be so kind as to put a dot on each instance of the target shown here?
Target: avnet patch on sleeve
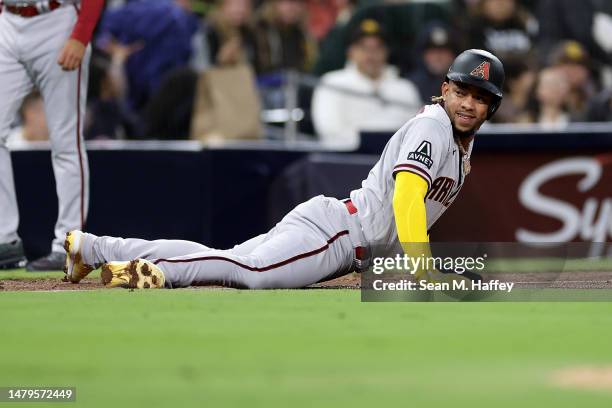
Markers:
(422, 154)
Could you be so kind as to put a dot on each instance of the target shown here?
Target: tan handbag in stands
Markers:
(226, 105)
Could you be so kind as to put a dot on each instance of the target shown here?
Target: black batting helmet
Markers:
(481, 69)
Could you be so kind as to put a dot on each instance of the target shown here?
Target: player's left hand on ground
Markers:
(71, 55)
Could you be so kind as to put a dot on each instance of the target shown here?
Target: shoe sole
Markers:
(137, 274)
(73, 258)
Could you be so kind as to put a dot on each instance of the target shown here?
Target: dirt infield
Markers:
(47, 285)
(566, 280)
(352, 281)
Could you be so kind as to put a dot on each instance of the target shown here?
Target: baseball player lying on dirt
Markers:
(418, 176)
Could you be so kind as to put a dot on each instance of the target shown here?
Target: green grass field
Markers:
(298, 348)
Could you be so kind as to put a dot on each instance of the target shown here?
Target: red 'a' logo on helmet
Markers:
(482, 71)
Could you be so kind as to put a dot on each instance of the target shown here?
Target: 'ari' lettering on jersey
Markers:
(441, 189)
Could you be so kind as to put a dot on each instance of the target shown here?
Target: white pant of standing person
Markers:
(29, 50)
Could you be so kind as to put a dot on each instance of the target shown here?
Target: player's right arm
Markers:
(420, 156)
(416, 167)
(411, 215)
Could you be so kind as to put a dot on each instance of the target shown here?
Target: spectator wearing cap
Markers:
(573, 60)
(367, 95)
(436, 54)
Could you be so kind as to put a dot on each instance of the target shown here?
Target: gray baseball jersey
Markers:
(318, 239)
(424, 146)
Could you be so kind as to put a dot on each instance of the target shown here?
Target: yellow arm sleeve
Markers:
(409, 207)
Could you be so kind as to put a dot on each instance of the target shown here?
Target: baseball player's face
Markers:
(466, 105)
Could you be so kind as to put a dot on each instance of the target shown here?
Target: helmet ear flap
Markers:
(493, 107)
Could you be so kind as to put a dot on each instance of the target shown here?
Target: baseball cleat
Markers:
(138, 274)
(74, 267)
(11, 255)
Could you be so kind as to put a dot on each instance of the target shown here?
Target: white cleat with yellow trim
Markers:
(74, 267)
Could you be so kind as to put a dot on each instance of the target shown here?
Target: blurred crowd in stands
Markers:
(331, 68)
